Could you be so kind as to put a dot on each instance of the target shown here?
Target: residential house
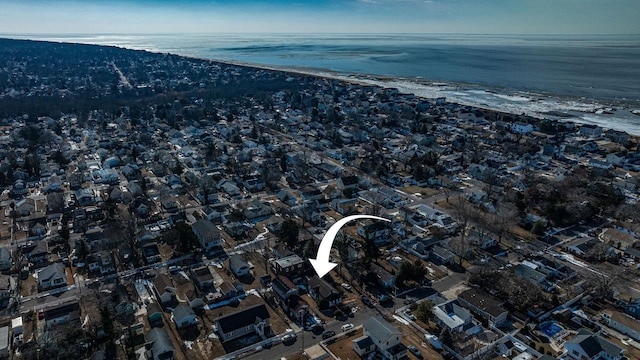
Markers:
(528, 271)
(151, 253)
(284, 287)
(481, 239)
(274, 224)
(385, 278)
(586, 345)
(101, 263)
(186, 291)
(228, 187)
(615, 158)
(521, 128)
(484, 305)
(184, 316)
(363, 346)
(453, 317)
(162, 347)
(213, 214)
(257, 209)
(207, 233)
(255, 319)
(253, 184)
(154, 313)
(377, 231)
(163, 288)
(384, 337)
(590, 130)
(203, 277)
(347, 184)
(325, 295)
(6, 260)
(6, 290)
(581, 246)
(344, 206)
(291, 266)
(85, 197)
(227, 290)
(235, 229)
(442, 255)
(62, 312)
(238, 266)
(52, 276)
(622, 323)
(633, 308)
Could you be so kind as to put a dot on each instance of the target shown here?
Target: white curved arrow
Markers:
(321, 263)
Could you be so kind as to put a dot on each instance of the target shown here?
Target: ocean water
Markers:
(589, 79)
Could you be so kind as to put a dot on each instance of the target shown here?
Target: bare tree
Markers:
(503, 220)
(605, 282)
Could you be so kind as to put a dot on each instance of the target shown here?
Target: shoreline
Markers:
(610, 114)
(563, 109)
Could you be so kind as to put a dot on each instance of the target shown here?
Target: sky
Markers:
(320, 16)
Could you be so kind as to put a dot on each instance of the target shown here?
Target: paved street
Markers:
(282, 350)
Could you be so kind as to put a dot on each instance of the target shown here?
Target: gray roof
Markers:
(593, 344)
(236, 261)
(204, 226)
(5, 254)
(452, 314)
(380, 272)
(483, 301)
(182, 311)
(55, 269)
(380, 328)
(289, 261)
(363, 342)
(161, 343)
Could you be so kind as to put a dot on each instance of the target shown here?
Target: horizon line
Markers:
(310, 33)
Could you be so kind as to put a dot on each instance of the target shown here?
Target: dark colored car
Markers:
(328, 334)
(414, 350)
(366, 301)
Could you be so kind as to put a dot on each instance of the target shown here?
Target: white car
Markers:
(347, 327)
(288, 337)
(346, 286)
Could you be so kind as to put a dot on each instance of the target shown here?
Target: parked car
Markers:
(366, 301)
(327, 334)
(414, 350)
(347, 327)
(410, 316)
(346, 286)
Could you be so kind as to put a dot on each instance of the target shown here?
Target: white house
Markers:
(521, 128)
(52, 276)
(622, 323)
(386, 338)
(453, 317)
(239, 267)
(586, 345)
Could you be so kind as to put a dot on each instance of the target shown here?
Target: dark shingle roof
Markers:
(161, 343)
(242, 318)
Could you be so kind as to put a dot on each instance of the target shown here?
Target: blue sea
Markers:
(588, 79)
